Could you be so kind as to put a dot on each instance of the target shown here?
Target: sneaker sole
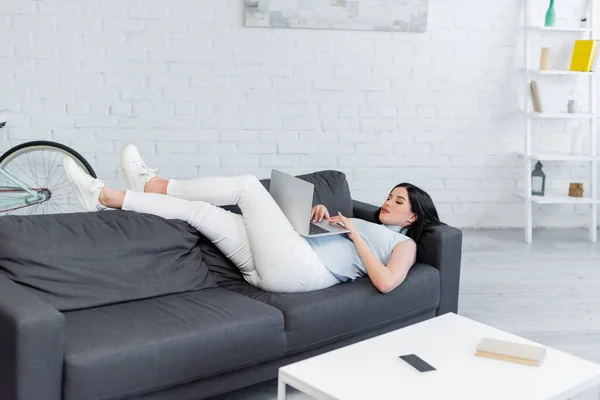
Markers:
(80, 196)
(128, 180)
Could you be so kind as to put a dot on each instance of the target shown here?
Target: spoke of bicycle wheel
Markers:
(30, 210)
(36, 164)
(34, 172)
(36, 208)
(63, 208)
(24, 173)
(49, 207)
(56, 208)
(37, 176)
(59, 201)
(44, 167)
(48, 173)
(53, 208)
(53, 172)
(64, 182)
(60, 196)
(61, 180)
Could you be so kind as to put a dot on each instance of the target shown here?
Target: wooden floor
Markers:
(548, 291)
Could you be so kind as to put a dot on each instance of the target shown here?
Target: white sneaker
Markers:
(135, 171)
(85, 187)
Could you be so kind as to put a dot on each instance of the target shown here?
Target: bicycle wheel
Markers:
(38, 165)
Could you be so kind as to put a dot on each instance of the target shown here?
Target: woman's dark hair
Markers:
(422, 205)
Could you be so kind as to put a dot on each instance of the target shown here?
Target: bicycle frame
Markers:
(21, 195)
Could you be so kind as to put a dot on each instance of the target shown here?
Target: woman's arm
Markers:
(384, 277)
(387, 277)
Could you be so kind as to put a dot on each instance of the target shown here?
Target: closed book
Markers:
(595, 61)
(510, 351)
(535, 97)
(584, 52)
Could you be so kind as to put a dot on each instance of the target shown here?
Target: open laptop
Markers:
(295, 196)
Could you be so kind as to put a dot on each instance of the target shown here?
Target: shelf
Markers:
(559, 29)
(564, 199)
(559, 199)
(535, 34)
(549, 156)
(560, 72)
(561, 115)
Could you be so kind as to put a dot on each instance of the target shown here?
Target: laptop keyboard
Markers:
(315, 230)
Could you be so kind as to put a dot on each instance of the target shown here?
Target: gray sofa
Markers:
(120, 305)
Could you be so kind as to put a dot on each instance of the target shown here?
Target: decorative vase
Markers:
(545, 58)
(550, 15)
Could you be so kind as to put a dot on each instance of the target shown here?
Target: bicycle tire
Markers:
(9, 154)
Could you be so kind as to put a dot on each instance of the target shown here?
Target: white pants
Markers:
(261, 242)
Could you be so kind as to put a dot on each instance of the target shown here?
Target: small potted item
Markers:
(576, 190)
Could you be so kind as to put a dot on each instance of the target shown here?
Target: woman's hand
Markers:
(319, 212)
(348, 224)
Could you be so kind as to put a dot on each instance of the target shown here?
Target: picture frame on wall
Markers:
(369, 15)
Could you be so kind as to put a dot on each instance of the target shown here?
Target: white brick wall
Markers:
(200, 94)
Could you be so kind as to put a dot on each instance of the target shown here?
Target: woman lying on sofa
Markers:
(261, 242)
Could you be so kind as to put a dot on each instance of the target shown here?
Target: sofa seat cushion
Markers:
(143, 346)
(82, 260)
(314, 319)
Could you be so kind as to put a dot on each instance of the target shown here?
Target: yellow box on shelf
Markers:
(584, 52)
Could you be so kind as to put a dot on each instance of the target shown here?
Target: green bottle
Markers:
(550, 15)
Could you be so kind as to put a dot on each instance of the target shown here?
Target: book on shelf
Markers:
(594, 62)
(535, 97)
(584, 54)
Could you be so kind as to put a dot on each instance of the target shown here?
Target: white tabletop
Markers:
(372, 369)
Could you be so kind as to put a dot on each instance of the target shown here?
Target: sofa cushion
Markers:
(331, 190)
(143, 346)
(316, 318)
(81, 260)
(221, 268)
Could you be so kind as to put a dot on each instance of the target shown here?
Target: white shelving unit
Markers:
(589, 117)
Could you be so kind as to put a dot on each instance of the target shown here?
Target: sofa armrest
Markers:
(32, 341)
(366, 211)
(439, 246)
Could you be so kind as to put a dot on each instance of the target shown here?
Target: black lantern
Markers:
(538, 180)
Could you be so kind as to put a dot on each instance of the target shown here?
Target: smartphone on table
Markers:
(417, 363)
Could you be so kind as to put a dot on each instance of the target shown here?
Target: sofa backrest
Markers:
(331, 190)
(83, 260)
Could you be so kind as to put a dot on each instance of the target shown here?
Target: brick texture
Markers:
(202, 95)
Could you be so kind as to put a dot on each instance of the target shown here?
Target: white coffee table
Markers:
(372, 369)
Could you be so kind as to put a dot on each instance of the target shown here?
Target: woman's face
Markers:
(397, 209)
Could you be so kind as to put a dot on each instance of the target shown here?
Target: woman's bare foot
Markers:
(111, 198)
(156, 185)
